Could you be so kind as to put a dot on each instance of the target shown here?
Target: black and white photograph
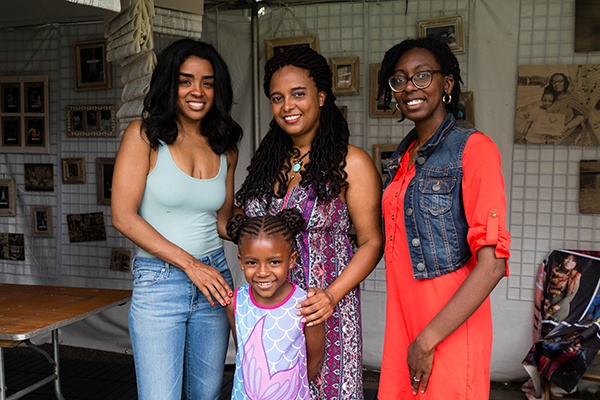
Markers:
(12, 246)
(120, 260)
(39, 177)
(11, 131)
(104, 174)
(86, 227)
(8, 198)
(11, 99)
(41, 221)
(92, 71)
(558, 105)
(34, 97)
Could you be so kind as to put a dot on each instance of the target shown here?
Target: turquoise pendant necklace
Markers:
(297, 161)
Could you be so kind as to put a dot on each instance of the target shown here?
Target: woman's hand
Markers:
(317, 307)
(210, 282)
(420, 363)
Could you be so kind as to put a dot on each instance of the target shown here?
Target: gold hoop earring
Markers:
(446, 98)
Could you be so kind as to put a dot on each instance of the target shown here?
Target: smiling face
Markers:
(265, 261)
(422, 105)
(295, 101)
(570, 262)
(558, 83)
(196, 89)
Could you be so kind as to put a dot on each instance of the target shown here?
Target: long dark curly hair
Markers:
(325, 170)
(442, 54)
(160, 104)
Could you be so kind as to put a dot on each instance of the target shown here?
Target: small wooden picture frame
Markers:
(120, 260)
(446, 29)
(345, 75)
(280, 44)
(92, 121)
(381, 154)
(41, 221)
(92, 71)
(73, 170)
(376, 108)
(104, 173)
(8, 198)
(466, 110)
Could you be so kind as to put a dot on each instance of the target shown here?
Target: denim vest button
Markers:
(409, 211)
(415, 242)
(436, 187)
(421, 160)
(412, 182)
(421, 267)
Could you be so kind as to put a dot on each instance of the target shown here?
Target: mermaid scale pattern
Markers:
(271, 357)
(258, 382)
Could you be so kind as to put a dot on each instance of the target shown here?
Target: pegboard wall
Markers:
(544, 202)
(543, 184)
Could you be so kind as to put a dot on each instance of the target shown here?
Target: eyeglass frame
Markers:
(410, 78)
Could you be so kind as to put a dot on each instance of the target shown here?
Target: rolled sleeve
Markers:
(484, 197)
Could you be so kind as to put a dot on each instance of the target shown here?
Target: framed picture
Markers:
(446, 29)
(381, 154)
(376, 108)
(8, 198)
(11, 132)
(11, 97)
(24, 122)
(466, 109)
(73, 170)
(92, 121)
(39, 177)
(92, 71)
(41, 221)
(86, 227)
(280, 44)
(12, 246)
(589, 186)
(104, 174)
(120, 260)
(587, 26)
(345, 75)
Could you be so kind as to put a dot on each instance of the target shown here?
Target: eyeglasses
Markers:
(421, 80)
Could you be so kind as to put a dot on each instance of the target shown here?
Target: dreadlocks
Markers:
(325, 171)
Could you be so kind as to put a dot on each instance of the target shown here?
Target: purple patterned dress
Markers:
(324, 253)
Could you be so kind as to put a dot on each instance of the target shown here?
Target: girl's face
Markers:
(421, 105)
(547, 100)
(196, 89)
(570, 262)
(295, 101)
(265, 261)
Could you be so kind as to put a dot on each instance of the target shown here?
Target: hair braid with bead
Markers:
(325, 170)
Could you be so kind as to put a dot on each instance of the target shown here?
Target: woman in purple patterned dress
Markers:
(306, 162)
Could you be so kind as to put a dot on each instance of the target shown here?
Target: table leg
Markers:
(57, 390)
(2, 382)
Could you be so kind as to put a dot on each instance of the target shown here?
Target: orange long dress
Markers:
(461, 365)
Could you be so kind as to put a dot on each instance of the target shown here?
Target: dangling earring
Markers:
(397, 108)
(446, 98)
(400, 111)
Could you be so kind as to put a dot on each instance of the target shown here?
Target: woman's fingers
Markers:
(212, 284)
(317, 307)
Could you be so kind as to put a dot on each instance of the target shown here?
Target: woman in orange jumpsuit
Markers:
(446, 244)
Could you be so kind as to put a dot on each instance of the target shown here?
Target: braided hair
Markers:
(442, 54)
(287, 223)
(325, 170)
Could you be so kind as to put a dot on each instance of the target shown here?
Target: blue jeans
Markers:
(179, 339)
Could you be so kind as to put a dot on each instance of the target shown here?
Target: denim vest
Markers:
(434, 216)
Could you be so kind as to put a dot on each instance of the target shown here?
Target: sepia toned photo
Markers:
(558, 105)
(120, 260)
(86, 227)
(589, 186)
(39, 177)
(12, 246)
(446, 29)
(345, 75)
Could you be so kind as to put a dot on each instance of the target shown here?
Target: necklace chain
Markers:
(297, 161)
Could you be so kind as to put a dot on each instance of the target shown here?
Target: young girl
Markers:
(276, 353)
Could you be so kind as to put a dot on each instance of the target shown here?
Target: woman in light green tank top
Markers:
(172, 194)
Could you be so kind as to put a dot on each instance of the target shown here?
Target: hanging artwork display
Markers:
(24, 119)
(558, 105)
